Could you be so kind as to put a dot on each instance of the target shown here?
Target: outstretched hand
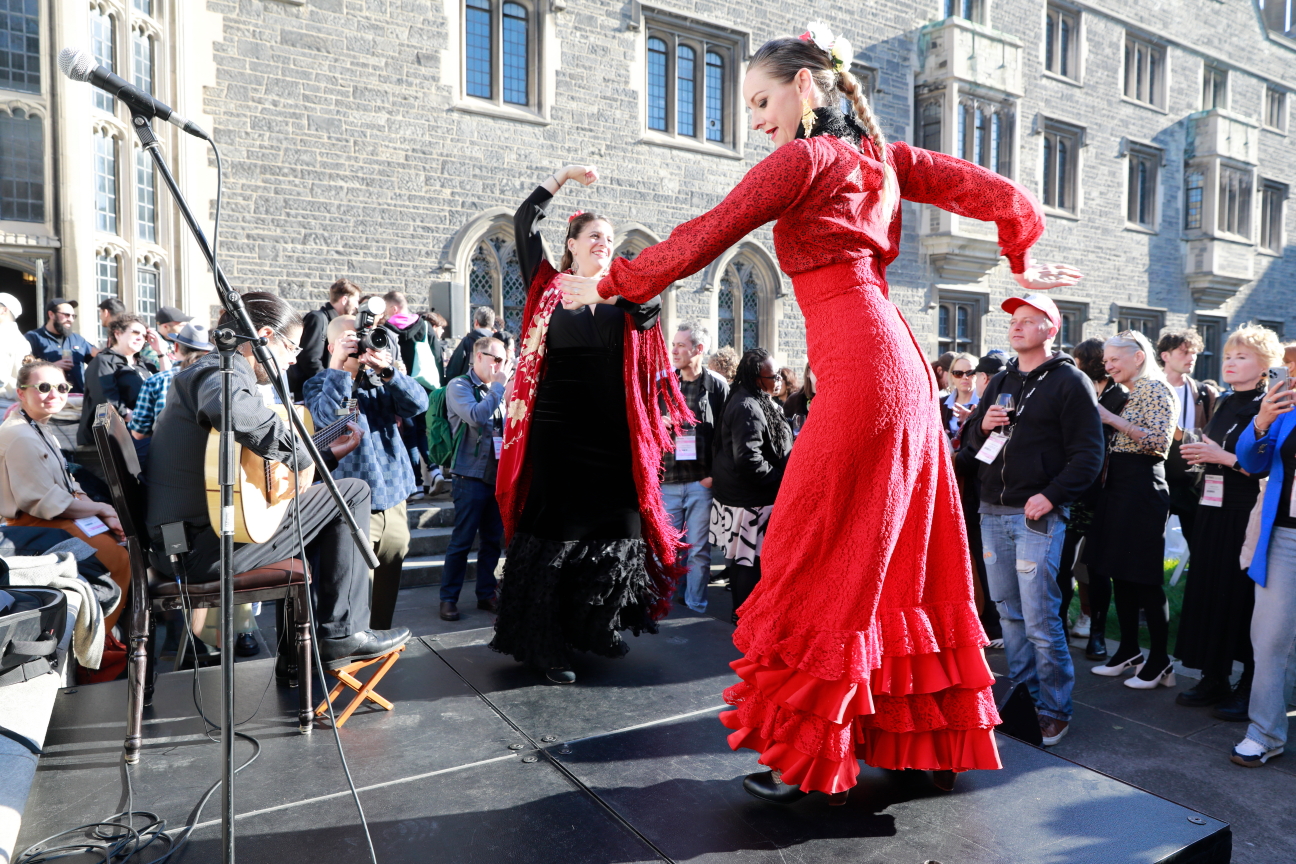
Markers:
(586, 175)
(1042, 277)
(579, 291)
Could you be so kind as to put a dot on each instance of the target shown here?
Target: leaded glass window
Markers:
(145, 196)
(107, 284)
(103, 43)
(657, 84)
(142, 60)
(477, 47)
(20, 45)
(738, 305)
(495, 280)
(516, 59)
(105, 171)
(146, 294)
(714, 96)
(22, 167)
(685, 75)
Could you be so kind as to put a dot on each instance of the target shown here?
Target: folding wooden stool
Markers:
(363, 689)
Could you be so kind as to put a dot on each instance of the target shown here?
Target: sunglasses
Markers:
(493, 357)
(962, 373)
(46, 387)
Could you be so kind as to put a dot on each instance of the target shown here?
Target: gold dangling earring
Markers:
(807, 116)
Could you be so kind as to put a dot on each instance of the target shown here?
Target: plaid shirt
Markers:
(151, 401)
(381, 460)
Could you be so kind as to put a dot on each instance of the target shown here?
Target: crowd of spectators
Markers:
(1071, 469)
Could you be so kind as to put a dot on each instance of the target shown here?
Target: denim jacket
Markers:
(476, 455)
(381, 460)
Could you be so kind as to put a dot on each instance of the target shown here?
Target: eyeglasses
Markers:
(962, 373)
(767, 377)
(46, 387)
(133, 332)
(290, 346)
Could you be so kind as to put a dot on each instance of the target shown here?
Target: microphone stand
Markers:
(227, 340)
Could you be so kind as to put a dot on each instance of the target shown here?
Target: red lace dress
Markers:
(861, 640)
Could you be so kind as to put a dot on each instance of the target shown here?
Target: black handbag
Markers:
(31, 629)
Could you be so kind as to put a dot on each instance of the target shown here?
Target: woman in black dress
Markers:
(1215, 625)
(579, 566)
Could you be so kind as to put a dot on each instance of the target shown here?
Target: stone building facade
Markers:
(390, 140)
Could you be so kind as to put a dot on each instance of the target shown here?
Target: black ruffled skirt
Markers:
(1215, 624)
(574, 576)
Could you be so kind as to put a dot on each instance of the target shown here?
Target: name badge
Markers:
(1213, 492)
(499, 446)
(686, 448)
(990, 449)
(92, 526)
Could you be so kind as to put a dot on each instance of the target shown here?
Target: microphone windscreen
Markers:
(76, 64)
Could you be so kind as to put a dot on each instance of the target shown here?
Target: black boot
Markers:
(1234, 709)
(1211, 690)
(765, 787)
(1096, 649)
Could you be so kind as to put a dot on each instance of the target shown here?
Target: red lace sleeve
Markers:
(970, 190)
(772, 186)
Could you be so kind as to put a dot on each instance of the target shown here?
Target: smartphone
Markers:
(1279, 379)
(1039, 526)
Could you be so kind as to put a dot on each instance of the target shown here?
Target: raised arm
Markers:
(526, 221)
(772, 185)
(961, 187)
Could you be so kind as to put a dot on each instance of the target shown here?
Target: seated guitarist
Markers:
(177, 490)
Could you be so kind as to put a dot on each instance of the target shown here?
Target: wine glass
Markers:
(1192, 435)
(1006, 402)
(798, 420)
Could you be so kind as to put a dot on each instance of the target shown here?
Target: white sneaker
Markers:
(1253, 754)
(1080, 629)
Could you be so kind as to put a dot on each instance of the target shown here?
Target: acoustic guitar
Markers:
(264, 489)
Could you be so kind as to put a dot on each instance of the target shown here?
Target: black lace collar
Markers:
(831, 121)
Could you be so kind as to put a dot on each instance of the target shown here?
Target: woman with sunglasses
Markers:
(36, 488)
(963, 398)
(117, 373)
(592, 550)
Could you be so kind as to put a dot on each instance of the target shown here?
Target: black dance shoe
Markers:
(1211, 690)
(944, 780)
(1234, 709)
(765, 787)
(1096, 649)
(560, 675)
(246, 645)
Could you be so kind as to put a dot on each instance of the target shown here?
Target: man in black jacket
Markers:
(1034, 458)
(462, 358)
(344, 299)
(686, 481)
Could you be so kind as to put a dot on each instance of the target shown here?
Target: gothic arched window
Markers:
(738, 306)
(495, 280)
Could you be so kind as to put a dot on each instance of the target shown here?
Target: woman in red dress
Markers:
(861, 640)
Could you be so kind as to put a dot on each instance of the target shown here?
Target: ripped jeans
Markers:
(1021, 568)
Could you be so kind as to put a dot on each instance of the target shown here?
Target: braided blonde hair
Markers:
(784, 57)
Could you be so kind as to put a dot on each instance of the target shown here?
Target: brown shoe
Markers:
(490, 604)
(449, 611)
(1052, 730)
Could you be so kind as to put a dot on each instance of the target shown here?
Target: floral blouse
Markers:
(1153, 407)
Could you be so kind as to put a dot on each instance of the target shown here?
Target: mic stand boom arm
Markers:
(232, 301)
(227, 339)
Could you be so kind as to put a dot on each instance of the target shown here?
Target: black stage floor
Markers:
(628, 765)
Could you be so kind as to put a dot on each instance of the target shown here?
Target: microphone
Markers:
(80, 66)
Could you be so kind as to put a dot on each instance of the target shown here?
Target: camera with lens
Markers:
(370, 336)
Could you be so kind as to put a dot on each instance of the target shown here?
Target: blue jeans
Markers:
(476, 511)
(689, 506)
(1273, 635)
(1021, 567)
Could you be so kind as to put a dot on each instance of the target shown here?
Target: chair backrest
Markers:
(113, 441)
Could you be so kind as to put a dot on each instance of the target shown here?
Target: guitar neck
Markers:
(333, 431)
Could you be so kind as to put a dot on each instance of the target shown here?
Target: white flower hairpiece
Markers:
(838, 48)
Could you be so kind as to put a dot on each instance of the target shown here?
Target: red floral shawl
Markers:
(647, 377)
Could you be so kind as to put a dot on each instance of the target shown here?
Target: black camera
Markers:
(371, 337)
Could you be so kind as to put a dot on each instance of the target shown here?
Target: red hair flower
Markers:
(574, 215)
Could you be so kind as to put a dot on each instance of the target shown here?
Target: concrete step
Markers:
(432, 541)
(427, 569)
(431, 513)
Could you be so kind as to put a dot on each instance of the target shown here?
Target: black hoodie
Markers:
(1056, 442)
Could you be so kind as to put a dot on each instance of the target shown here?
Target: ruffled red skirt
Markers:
(862, 641)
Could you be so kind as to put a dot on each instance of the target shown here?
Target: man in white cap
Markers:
(14, 346)
(1033, 457)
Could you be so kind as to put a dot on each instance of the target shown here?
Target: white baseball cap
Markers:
(11, 303)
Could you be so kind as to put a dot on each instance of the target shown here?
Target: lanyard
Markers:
(58, 456)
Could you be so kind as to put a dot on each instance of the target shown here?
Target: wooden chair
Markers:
(284, 580)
